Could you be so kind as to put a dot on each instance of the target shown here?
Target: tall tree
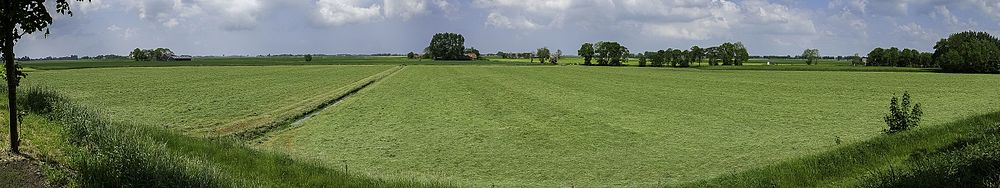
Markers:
(875, 57)
(21, 17)
(587, 52)
(970, 51)
(741, 53)
(697, 54)
(810, 55)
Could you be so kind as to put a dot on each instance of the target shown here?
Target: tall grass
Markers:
(108, 153)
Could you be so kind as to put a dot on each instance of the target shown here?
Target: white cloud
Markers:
(89, 6)
(229, 14)
(916, 31)
(501, 21)
(405, 9)
(340, 12)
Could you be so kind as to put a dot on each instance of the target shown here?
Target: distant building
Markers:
(181, 58)
(472, 56)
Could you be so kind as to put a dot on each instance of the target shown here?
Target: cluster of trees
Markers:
(511, 55)
(446, 46)
(544, 55)
(970, 52)
(158, 54)
(607, 53)
(674, 57)
(900, 58)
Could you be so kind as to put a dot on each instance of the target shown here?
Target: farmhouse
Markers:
(472, 56)
(181, 58)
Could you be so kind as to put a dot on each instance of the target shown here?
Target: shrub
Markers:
(901, 117)
(309, 57)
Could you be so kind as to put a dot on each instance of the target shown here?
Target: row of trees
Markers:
(158, 54)
(725, 54)
(967, 52)
(900, 58)
(607, 53)
(544, 54)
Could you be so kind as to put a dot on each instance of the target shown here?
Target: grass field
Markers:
(204, 100)
(509, 126)
(600, 126)
(256, 61)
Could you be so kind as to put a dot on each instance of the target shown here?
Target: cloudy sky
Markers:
(251, 27)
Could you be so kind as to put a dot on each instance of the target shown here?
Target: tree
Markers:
(875, 57)
(587, 52)
(969, 52)
(138, 55)
(810, 55)
(411, 55)
(713, 55)
(543, 53)
(856, 60)
(697, 54)
(610, 53)
(741, 53)
(900, 116)
(309, 57)
(21, 17)
(658, 58)
(447, 46)
(554, 59)
(642, 59)
(727, 53)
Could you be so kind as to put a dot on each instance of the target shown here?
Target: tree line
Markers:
(967, 52)
(725, 54)
(158, 54)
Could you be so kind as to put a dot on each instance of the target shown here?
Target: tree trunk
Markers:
(8, 58)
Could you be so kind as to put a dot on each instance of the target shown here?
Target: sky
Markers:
(260, 27)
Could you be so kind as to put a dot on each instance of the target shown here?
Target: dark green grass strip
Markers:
(852, 164)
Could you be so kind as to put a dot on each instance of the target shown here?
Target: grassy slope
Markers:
(597, 126)
(867, 162)
(202, 99)
(250, 61)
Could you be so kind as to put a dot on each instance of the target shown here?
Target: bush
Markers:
(309, 57)
(968, 52)
(899, 119)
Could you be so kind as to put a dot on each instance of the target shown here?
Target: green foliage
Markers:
(543, 54)
(901, 117)
(856, 60)
(810, 55)
(610, 53)
(642, 59)
(158, 54)
(447, 46)
(587, 52)
(969, 52)
(971, 160)
(309, 57)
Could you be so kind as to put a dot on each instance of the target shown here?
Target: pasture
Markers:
(599, 126)
(203, 100)
(508, 125)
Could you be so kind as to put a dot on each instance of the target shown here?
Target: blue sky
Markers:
(251, 27)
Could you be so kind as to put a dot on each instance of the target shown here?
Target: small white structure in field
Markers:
(768, 63)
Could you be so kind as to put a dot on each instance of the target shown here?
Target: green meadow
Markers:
(599, 126)
(396, 122)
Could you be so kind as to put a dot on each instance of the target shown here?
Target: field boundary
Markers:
(256, 126)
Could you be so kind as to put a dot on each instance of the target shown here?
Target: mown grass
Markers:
(252, 61)
(600, 126)
(104, 152)
(207, 101)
